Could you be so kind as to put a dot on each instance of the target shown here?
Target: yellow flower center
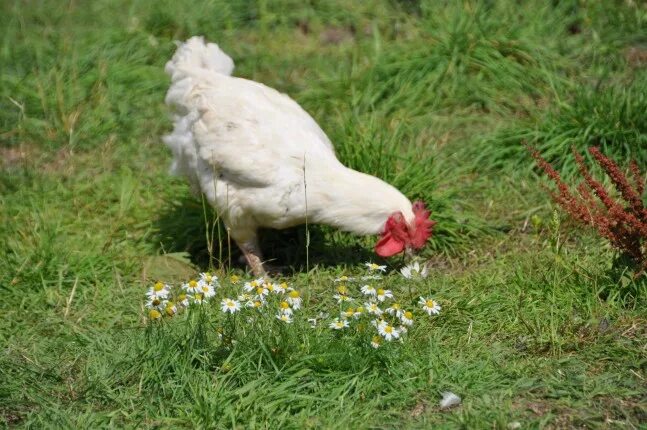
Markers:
(199, 297)
(158, 286)
(342, 289)
(380, 292)
(269, 287)
(395, 306)
(156, 302)
(339, 324)
(257, 304)
(388, 329)
(359, 310)
(205, 289)
(254, 284)
(408, 315)
(154, 314)
(193, 283)
(430, 303)
(284, 285)
(343, 278)
(234, 279)
(260, 291)
(207, 277)
(294, 294)
(230, 304)
(170, 311)
(181, 297)
(376, 339)
(285, 305)
(373, 306)
(374, 266)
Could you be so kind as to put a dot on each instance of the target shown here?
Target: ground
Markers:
(536, 329)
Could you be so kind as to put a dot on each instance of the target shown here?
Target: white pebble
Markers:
(514, 425)
(449, 400)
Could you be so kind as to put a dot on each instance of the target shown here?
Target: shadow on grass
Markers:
(182, 227)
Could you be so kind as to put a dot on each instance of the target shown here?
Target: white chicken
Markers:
(262, 161)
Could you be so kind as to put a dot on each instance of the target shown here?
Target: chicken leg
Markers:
(252, 252)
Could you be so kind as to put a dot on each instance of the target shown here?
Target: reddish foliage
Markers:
(622, 220)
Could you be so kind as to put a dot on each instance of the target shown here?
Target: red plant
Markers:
(621, 220)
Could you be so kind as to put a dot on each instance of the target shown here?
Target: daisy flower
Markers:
(270, 287)
(348, 313)
(256, 304)
(253, 285)
(156, 303)
(407, 318)
(388, 331)
(341, 298)
(413, 270)
(286, 318)
(395, 309)
(284, 308)
(373, 308)
(154, 314)
(375, 267)
(234, 279)
(368, 290)
(229, 305)
(191, 287)
(402, 330)
(261, 292)
(209, 278)
(245, 297)
(159, 290)
(342, 289)
(376, 342)
(183, 300)
(198, 298)
(344, 278)
(206, 289)
(294, 299)
(358, 312)
(430, 306)
(384, 294)
(170, 309)
(280, 288)
(338, 324)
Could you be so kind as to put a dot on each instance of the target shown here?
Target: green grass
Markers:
(434, 97)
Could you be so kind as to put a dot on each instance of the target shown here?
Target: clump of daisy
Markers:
(284, 308)
(229, 305)
(415, 271)
(430, 306)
